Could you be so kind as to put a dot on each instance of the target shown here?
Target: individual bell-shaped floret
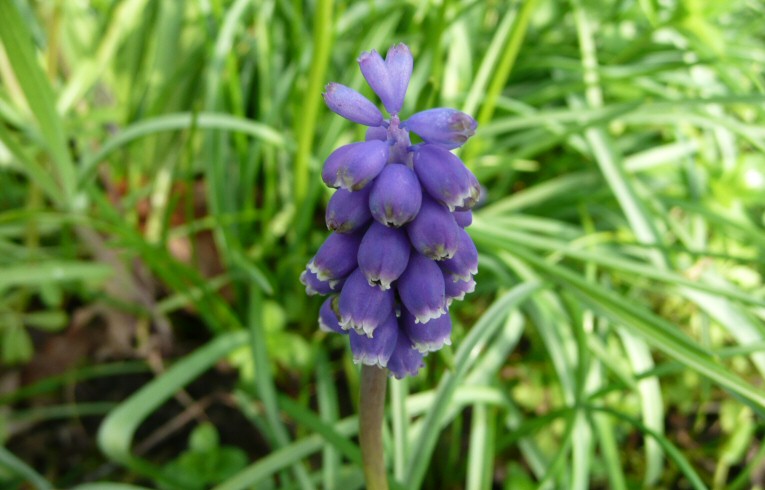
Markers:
(463, 218)
(329, 319)
(347, 211)
(444, 176)
(430, 336)
(405, 359)
(396, 196)
(457, 289)
(363, 307)
(375, 72)
(314, 285)
(352, 166)
(448, 128)
(421, 288)
(464, 264)
(376, 350)
(433, 232)
(336, 257)
(383, 254)
(400, 63)
(352, 105)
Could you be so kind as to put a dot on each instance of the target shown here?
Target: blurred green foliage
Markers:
(159, 171)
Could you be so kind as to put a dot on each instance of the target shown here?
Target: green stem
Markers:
(371, 412)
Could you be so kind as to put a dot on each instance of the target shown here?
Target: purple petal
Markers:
(352, 166)
(405, 359)
(336, 257)
(376, 133)
(363, 307)
(448, 128)
(352, 105)
(464, 264)
(383, 254)
(434, 233)
(445, 177)
(396, 196)
(375, 72)
(399, 62)
(456, 289)
(375, 351)
(463, 218)
(421, 288)
(314, 285)
(430, 336)
(329, 321)
(348, 211)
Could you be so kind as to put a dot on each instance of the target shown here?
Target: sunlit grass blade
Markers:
(17, 41)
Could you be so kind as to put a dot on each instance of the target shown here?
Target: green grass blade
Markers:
(18, 467)
(17, 41)
(466, 356)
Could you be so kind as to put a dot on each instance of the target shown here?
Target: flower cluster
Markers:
(399, 253)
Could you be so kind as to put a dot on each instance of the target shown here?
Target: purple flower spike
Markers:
(427, 337)
(464, 264)
(445, 177)
(375, 72)
(434, 233)
(463, 218)
(396, 196)
(399, 62)
(457, 289)
(352, 105)
(448, 128)
(336, 257)
(421, 289)
(405, 359)
(363, 307)
(399, 254)
(329, 321)
(376, 133)
(383, 254)
(314, 285)
(348, 211)
(352, 166)
(375, 351)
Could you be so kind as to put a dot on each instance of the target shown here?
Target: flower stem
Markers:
(371, 410)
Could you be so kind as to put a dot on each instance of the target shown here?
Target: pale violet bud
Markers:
(352, 166)
(421, 288)
(433, 232)
(396, 196)
(336, 257)
(464, 264)
(376, 350)
(399, 62)
(376, 133)
(430, 336)
(445, 127)
(375, 72)
(405, 360)
(363, 307)
(445, 177)
(383, 254)
(352, 105)
(348, 211)
(329, 319)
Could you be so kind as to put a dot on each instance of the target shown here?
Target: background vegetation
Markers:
(159, 195)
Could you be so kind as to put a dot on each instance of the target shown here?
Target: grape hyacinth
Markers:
(398, 254)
